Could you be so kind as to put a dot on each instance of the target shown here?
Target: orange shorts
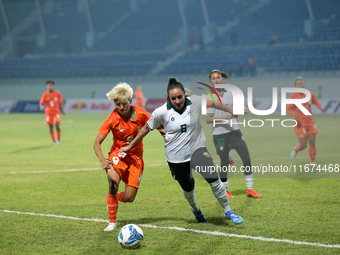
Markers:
(52, 117)
(130, 168)
(139, 103)
(304, 132)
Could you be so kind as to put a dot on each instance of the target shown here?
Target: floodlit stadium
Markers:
(53, 192)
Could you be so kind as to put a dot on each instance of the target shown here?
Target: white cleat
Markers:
(293, 155)
(110, 227)
(313, 164)
(58, 142)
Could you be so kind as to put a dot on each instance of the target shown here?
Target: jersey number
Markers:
(220, 142)
(183, 128)
(51, 103)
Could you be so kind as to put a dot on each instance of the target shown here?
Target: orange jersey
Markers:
(139, 98)
(124, 130)
(304, 121)
(209, 103)
(52, 101)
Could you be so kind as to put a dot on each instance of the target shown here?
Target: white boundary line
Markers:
(306, 156)
(67, 170)
(51, 171)
(149, 165)
(216, 233)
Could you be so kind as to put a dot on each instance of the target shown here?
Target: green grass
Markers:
(298, 209)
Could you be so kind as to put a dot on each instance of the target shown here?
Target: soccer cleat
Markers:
(293, 155)
(252, 193)
(229, 215)
(232, 162)
(313, 164)
(229, 194)
(58, 142)
(200, 218)
(110, 227)
(54, 143)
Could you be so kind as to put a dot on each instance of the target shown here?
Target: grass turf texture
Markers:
(299, 209)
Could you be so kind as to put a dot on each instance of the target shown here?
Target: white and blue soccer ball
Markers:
(130, 236)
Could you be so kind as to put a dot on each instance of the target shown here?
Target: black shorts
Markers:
(227, 141)
(181, 172)
(233, 140)
(201, 161)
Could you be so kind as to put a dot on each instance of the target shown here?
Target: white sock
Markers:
(249, 181)
(190, 197)
(226, 185)
(219, 192)
(230, 156)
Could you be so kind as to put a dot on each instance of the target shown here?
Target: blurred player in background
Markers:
(306, 127)
(226, 136)
(52, 98)
(185, 146)
(232, 161)
(139, 97)
(124, 122)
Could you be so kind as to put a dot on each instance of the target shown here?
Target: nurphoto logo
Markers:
(238, 104)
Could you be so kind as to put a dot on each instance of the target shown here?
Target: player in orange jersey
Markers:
(124, 123)
(306, 127)
(139, 97)
(52, 98)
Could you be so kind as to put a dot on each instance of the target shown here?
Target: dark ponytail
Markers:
(173, 80)
(172, 84)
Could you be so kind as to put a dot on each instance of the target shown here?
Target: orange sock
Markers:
(58, 135)
(297, 148)
(53, 138)
(312, 153)
(121, 196)
(112, 207)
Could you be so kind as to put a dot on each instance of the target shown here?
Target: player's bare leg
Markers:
(112, 200)
(52, 133)
(57, 127)
(311, 139)
(301, 146)
(312, 148)
(114, 179)
(128, 195)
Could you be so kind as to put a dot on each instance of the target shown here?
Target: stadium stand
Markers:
(16, 11)
(73, 67)
(311, 58)
(136, 41)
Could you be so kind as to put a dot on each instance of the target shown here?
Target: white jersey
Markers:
(227, 99)
(184, 133)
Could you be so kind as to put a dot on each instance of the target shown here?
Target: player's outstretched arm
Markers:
(98, 150)
(317, 103)
(222, 107)
(143, 132)
(62, 108)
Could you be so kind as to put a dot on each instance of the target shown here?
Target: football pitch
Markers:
(53, 197)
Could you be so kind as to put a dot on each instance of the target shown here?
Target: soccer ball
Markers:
(130, 236)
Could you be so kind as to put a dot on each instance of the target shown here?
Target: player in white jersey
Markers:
(185, 146)
(227, 136)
